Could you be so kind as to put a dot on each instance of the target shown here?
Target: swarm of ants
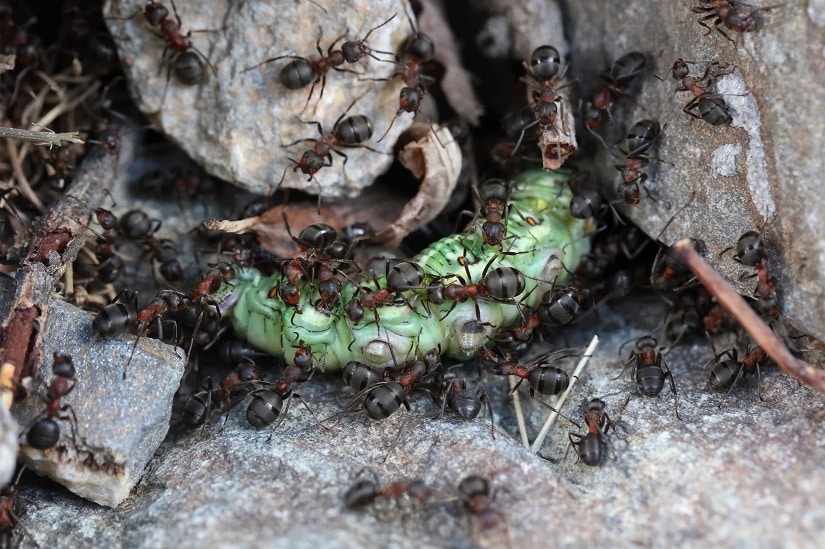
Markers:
(177, 301)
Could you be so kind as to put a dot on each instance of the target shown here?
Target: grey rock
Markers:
(760, 173)
(9, 445)
(745, 474)
(120, 422)
(236, 124)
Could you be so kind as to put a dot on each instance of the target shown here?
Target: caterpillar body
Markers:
(542, 242)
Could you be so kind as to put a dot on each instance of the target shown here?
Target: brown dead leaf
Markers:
(390, 214)
(438, 165)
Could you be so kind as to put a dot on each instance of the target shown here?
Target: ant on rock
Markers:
(589, 446)
(650, 370)
(726, 373)
(729, 13)
(179, 55)
(45, 432)
(710, 106)
(301, 72)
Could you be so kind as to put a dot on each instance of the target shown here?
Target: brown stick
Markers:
(733, 303)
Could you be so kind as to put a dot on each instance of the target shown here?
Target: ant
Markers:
(8, 512)
(301, 72)
(464, 403)
(589, 446)
(347, 132)
(543, 378)
(179, 54)
(236, 383)
(730, 13)
(115, 318)
(640, 138)
(750, 252)
(619, 78)
(365, 492)
(517, 339)
(669, 272)
(45, 432)
(559, 308)
(267, 405)
(502, 284)
(477, 498)
(545, 63)
(494, 197)
(359, 376)
(650, 370)
(710, 106)
(415, 52)
(726, 373)
(385, 398)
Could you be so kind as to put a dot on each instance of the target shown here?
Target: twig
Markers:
(733, 303)
(522, 427)
(551, 419)
(48, 137)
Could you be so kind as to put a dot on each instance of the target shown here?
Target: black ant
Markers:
(365, 492)
(751, 252)
(179, 54)
(731, 14)
(589, 446)
(561, 307)
(494, 198)
(45, 432)
(650, 370)
(710, 106)
(359, 376)
(726, 373)
(385, 398)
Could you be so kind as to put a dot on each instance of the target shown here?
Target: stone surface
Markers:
(762, 171)
(237, 123)
(743, 475)
(120, 422)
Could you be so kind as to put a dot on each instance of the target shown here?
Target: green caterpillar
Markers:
(542, 242)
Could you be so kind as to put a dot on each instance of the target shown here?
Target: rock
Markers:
(701, 480)
(238, 122)
(120, 422)
(759, 173)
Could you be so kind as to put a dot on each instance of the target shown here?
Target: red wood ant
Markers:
(477, 500)
(415, 52)
(179, 54)
(589, 446)
(619, 77)
(750, 252)
(365, 492)
(650, 370)
(545, 63)
(348, 132)
(464, 403)
(301, 72)
(640, 138)
(729, 13)
(726, 373)
(710, 106)
(8, 511)
(45, 432)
